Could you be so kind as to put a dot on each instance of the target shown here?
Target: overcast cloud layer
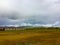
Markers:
(14, 12)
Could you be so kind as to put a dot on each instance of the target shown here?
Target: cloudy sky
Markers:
(16, 12)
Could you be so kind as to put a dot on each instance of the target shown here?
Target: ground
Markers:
(31, 36)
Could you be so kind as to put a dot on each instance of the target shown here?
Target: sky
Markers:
(32, 12)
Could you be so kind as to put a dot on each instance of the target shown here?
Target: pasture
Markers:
(31, 36)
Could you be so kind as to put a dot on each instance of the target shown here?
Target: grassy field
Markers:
(31, 36)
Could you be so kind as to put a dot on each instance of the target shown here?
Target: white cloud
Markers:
(30, 7)
(47, 11)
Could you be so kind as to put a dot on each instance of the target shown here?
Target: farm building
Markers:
(2, 29)
(10, 28)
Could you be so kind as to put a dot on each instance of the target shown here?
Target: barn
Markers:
(2, 28)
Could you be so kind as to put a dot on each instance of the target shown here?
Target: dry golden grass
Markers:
(31, 37)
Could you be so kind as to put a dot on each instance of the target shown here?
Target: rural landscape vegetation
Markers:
(31, 36)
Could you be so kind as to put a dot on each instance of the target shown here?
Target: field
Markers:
(31, 36)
